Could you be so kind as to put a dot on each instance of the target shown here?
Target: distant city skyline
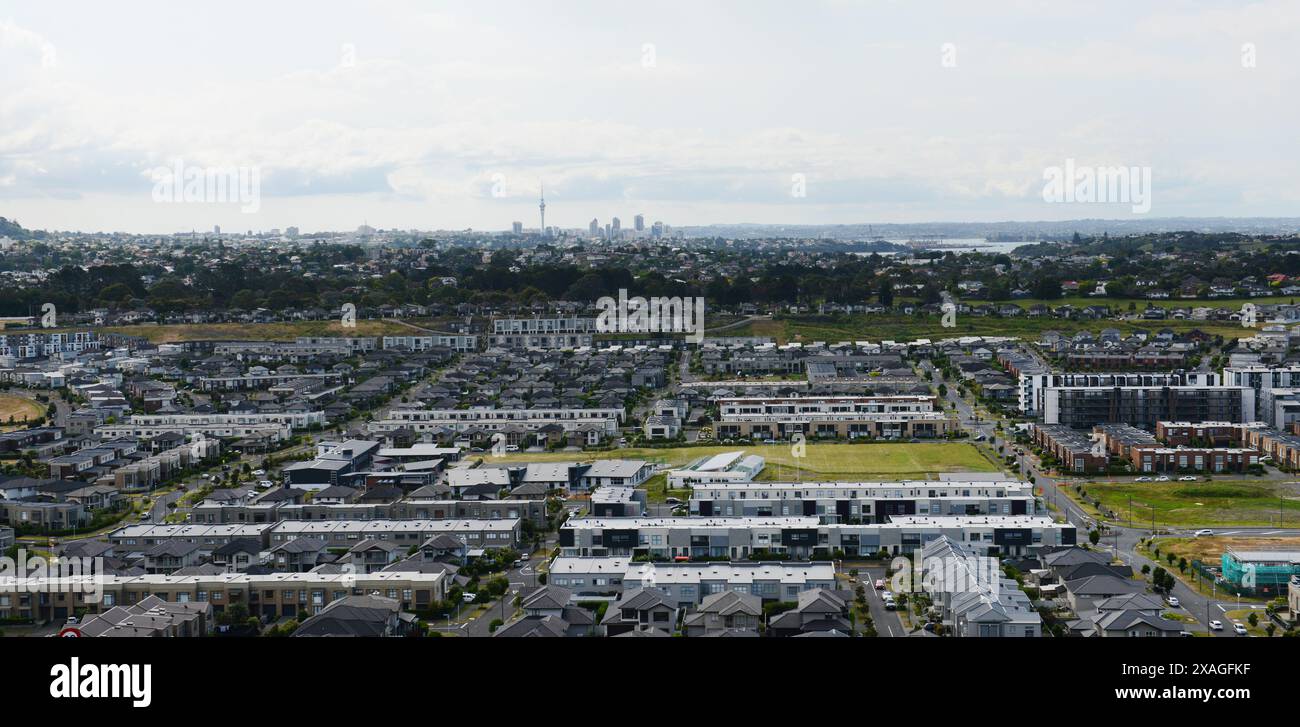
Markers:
(454, 117)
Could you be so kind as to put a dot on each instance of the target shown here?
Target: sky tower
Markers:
(541, 205)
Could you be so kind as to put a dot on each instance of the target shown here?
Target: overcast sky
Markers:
(449, 115)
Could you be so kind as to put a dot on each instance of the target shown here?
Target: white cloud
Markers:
(439, 102)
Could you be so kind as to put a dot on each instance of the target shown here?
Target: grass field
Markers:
(1208, 504)
(1210, 550)
(822, 461)
(17, 408)
(905, 328)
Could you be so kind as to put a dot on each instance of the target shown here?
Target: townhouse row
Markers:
(743, 538)
(855, 502)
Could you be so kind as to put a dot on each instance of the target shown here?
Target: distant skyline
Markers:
(452, 115)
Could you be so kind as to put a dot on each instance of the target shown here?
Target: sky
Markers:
(451, 115)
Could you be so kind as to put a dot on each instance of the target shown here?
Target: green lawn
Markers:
(822, 461)
(905, 328)
(1216, 503)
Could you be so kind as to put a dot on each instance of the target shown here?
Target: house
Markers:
(170, 556)
(548, 611)
(724, 613)
(152, 617)
(237, 555)
(369, 556)
(298, 555)
(640, 609)
(616, 473)
(1136, 623)
(818, 610)
(368, 616)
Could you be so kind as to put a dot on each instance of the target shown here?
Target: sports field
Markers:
(820, 461)
(14, 409)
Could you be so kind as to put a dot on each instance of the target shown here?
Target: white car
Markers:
(1162, 478)
(258, 473)
(1187, 478)
(1143, 479)
(1203, 533)
(1238, 627)
(1216, 625)
(1174, 602)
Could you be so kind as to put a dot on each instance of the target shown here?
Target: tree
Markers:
(1253, 619)
(1047, 288)
(1094, 537)
(887, 292)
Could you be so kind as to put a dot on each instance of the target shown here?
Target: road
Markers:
(888, 623)
(520, 578)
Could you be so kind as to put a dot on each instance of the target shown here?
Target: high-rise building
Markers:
(638, 223)
(517, 227)
(616, 225)
(657, 230)
(594, 228)
(216, 229)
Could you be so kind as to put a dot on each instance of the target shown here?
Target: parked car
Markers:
(1162, 478)
(1174, 602)
(672, 501)
(880, 584)
(1216, 625)
(1143, 479)
(1187, 478)
(1239, 628)
(1203, 533)
(468, 597)
(259, 473)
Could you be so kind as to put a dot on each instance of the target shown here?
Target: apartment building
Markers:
(836, 417)
(457, 342)
(44, 345)
(1143, 406)
(858, 502)
(741, 538)
(1034, 384)
(542, 333)
(1271, 387)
